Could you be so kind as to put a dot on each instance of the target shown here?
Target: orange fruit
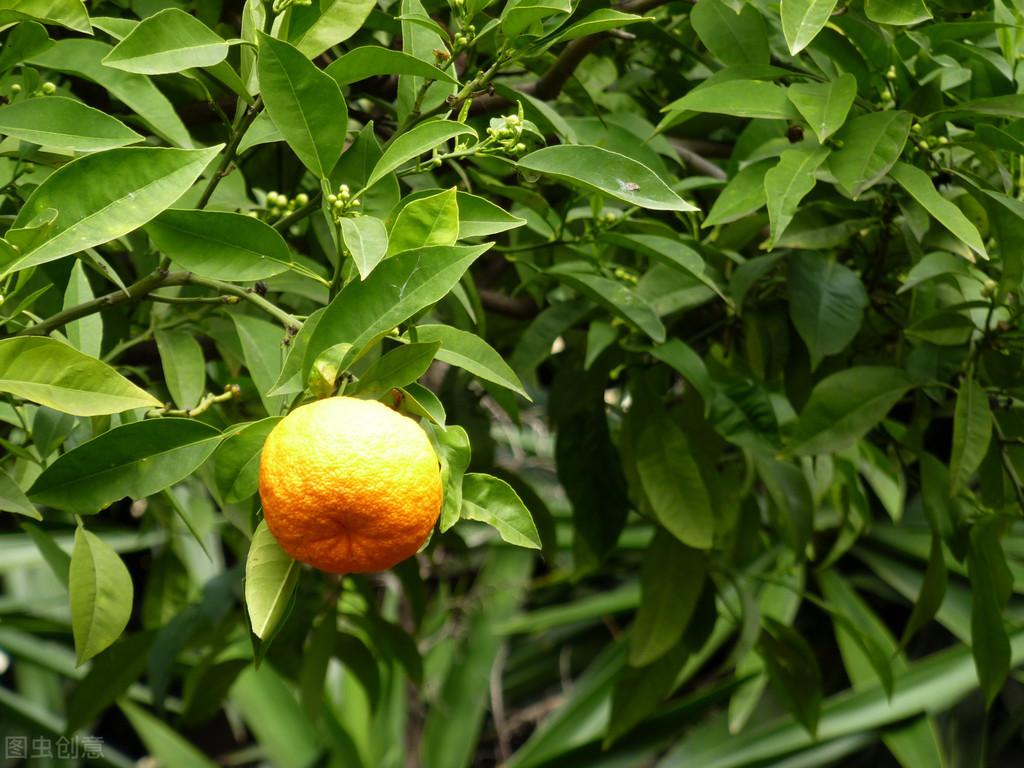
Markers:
(349, 486)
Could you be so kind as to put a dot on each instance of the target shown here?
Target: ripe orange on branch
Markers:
(349, 485)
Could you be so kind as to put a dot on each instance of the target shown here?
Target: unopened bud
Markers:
(16, 89)
(302, 198)
(49, 88)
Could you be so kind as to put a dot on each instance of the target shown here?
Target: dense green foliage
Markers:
(712, 312)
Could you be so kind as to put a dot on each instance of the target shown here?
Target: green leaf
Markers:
(262, 343)
(84, 58)
(802, 20)
(454, 451)
(66, 13)
(598, 21)
(673, 484)
(183, 364)
(826, 303)
(736, 39)
(490, 500)
(64, 124)
(397, 289)
(897, 12)
(739, 98)
(673, 252)
(432, 220)
(972, 431)
(270, 577)
(991, 585)
(788, 183)
(609, 173)
(101, 595)
(138, 183)
(471, 353)
(612, 294)
(871, 144)
(933, 590)
(134, 460)
(13, 499)
(166, 42)
(413, 143)
(305, 103)
(373, 60)
(51, 373)
(221, 245)
(793, 670)
(109, 676)
(824, 105)
(520, 16)
(165, 744)
(843, 407)
(423, 402)
(315, 27)
(741, 196)
(919, 185)
(398, 368)
(366, 239)
(670, 585)
(86, 333)
(236, 462)
(479, 217)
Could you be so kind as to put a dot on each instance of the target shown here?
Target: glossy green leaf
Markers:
(609, 173)
(871, 144)
(826, 303)
(221, 245)
(373, 60)
(471, 353)
(933, 590)
(739, 98)
(670, 585)
(305, 103)
(139, 183)
(824, 105)
(897, 12)
(398, 288)
(86, 333)
(786, 184)
(454, 451)
(166, 42)
(165, 744)
(802, 20)
(66, 13)
(972, 431)
(432, 220)
(991, 585)
(490, 500)
(134, 460)
(315, 27)
(397, 368)
(262, 349)
(520, 16)
(13, 499)
(843, 407)
(64, 124)
(919, 185)
(612, 294)
(366, 239)
(673, 484)
(236, 462)
(736, 39)
(270, 578)
(479, 217)
(743, 195)
(54, 374)
(414, 143)
(183, 364)
(101, 595)
(82, 57)
(598, 21)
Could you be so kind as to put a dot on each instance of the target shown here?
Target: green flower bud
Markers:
(16, 89)
(923, 145)
(49, 88)
(302, 198)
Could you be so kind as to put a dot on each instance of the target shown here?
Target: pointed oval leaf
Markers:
(315, 27)
(100, 589)
(415, 142)
(166, 42)
(471, 353)
(372, 60)
(61, 123)
(802, 20)
(609, 173)
(270, 576)
(432, 220)
(972, 431)
(134, 460)
(138, 183)
(490, 500)
(826, 303)
(366, 239)
(236, 462)
(613, 295)
(54, 374)
(871, 144)
(13, 499)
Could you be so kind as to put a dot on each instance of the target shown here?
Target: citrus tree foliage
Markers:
(712, 313)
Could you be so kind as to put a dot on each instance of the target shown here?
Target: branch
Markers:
(141, 289)
(229, 152)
